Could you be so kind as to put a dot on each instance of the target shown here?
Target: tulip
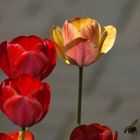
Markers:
(81, 41)
(93, 132)
(27, 55)
(16, 136)
(24, 100)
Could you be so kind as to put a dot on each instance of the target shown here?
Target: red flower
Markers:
(24, 100)
(93, 132)
(16, 136)
(27, 55)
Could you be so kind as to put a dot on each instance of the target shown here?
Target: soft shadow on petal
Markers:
(31, 63)
(43, 96)
(6, 93)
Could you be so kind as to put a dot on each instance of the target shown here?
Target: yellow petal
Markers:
(56, 35)
(107, 39)
(79, 23)
(97, 33)
(103, 37)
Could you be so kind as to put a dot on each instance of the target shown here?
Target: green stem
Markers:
(22, 133)
(80, 96)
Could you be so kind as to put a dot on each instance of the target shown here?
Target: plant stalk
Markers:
(80, 96)
(22, 133)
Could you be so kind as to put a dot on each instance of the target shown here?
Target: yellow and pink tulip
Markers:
(81, 41)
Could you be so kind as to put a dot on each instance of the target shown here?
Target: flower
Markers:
(24, 100)
(81, 41)
(16, 136)
(27, 55)
(93, 132)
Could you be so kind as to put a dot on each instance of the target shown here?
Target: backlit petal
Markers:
(56, 35)
(84, 53)
(110, 38)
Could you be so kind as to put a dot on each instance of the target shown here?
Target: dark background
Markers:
(111, 85)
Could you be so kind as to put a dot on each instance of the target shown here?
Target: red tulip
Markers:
(16, 136)
(93, 132)
(27, 55)
(24, 100)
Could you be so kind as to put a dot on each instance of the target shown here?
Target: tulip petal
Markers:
(92, 32)
(56, 35)
(109, 39)
(106, 135)
(79, 23)
(31, 63)
(50, 52)
(97, 28)
(84, 53)
(4, 136)
(92, 132)
(14, 52)
(79, 133)
(115, 135)
(28, 42)
(23, 111)
(43, 95)
(17, 135)
(4, 60)
(88, 32)
(26, 84)
(70, 32)
(6, 93)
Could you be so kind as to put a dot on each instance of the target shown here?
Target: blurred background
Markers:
(111, 92)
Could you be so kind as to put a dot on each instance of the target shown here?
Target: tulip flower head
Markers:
(16, 136)
(93, 132)
(24, 100)
(81, 41)
(27, 55)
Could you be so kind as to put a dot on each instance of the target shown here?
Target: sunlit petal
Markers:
(110, 38)
(56, 33)
(69, 32)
